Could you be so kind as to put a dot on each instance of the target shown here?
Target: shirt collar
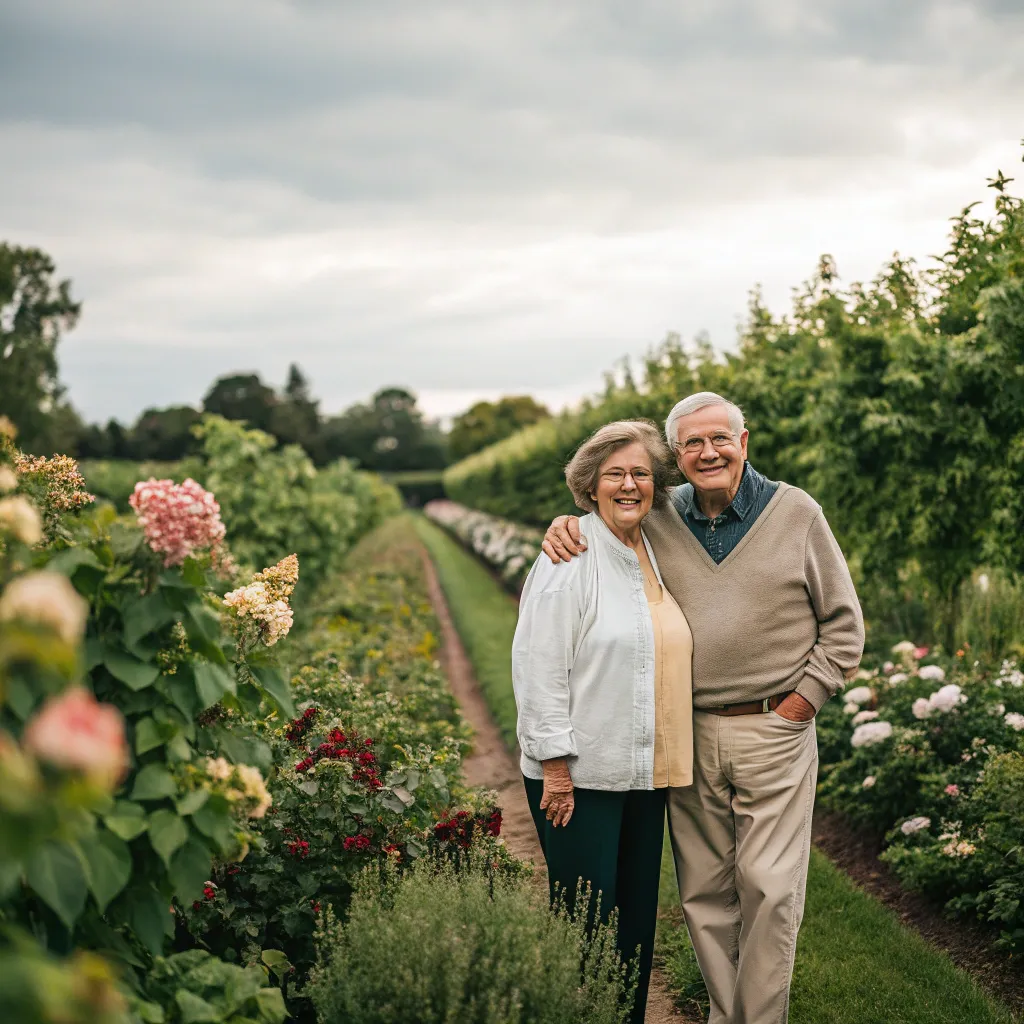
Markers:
(740, 505)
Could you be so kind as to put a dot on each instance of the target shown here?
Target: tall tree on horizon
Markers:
(35, 310)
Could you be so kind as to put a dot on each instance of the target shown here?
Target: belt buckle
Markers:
(766, 705)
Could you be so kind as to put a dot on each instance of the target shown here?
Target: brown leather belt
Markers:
(750, 707)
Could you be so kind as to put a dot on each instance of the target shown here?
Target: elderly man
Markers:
(777, 628)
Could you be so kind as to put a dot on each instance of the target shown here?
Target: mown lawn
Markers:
(485, 616)
(856, 964)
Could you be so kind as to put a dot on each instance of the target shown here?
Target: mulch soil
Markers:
(968, 945)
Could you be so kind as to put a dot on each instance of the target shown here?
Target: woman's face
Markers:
(625, 487)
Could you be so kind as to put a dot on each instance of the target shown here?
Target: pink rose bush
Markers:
(177, 519)
(76, 732)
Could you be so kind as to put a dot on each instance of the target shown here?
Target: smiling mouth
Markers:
(710, 469)
(627, 502)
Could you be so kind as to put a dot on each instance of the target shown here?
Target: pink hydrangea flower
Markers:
(177, 519)
(76, 732)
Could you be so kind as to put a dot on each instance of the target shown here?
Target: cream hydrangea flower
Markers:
(47, 599)
(18, 517)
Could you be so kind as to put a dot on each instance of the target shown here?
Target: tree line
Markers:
(388, 433)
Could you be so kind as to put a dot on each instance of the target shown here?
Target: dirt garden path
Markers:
(491, 765)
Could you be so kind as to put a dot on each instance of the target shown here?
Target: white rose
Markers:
(859, 695)
(912, 825)
(897, 678)
(921, 709)
(864, 716)
(1014, 720)
(946, 698)
(851, 709)
(870, 733)
(933, 673)
(904, 647)
(868, 782)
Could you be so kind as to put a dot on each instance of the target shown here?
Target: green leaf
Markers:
(271, 1006)
(71, 560)
(146, 616)
(212, 682)
(154, 782)
(191, 803)
(56, 875)
(94, 651)
(277, 961)
(276, 687)
(243, 748)
(203, 629)
(150, 918)
(135, 674)
(147, 736)
(190, 869)
(216, 820)
(125, 540)
(127, 820)
(167, 833)
(181, 689)
(192, 573)
(110, 865)
(195, 1010)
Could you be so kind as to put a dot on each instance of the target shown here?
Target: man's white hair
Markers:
(694, 403)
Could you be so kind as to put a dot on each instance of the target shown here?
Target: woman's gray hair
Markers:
(694, 403)
(582, 472)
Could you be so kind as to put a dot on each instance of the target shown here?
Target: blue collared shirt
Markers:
(719, 536)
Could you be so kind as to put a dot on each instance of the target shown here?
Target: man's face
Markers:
(716, 464)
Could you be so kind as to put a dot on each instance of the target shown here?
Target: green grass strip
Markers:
(856, 964)
(485, 616)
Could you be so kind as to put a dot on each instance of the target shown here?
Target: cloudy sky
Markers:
(471, 199)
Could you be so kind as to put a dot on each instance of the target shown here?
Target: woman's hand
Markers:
(558, 800)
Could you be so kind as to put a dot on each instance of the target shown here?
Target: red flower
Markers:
(209, 892)
(196, 904)
(493, 825)
(299, 848)
(315, 906)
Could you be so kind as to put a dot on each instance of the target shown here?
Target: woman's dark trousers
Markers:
(613, 842)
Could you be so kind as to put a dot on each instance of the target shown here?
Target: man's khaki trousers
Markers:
(741, 835)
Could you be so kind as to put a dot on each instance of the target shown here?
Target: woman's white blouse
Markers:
(583, 665)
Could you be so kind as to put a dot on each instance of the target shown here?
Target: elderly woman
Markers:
(601, 669)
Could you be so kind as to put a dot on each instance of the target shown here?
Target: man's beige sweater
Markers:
(779, 613)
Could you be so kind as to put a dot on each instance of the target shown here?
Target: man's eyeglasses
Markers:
(719, 440)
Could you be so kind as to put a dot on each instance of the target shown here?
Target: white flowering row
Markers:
(509, 548)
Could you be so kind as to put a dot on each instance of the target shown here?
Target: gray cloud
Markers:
(475, 196)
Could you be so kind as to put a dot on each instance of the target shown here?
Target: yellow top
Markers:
(673, 690)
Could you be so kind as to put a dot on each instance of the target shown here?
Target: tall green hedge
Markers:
(898, 404)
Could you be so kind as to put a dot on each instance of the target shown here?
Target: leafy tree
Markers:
(165, 434)
(296, 417)
(34, 311)
(485, 423)
(387, 435)
(242, 396)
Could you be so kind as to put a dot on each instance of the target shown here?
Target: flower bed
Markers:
(367, 772)
(933, 756)
(508, 548)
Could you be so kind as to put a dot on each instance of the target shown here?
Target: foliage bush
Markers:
(896, 404)
(274, 500)
(113, 654)
(436, 946)
(367, 773)
(508, 548)
(140, 713)
(114, 480)
(933, 756)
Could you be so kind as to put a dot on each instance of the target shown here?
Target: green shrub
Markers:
(274, 501)
(439, 946)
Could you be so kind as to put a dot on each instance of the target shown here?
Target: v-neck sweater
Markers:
(779, 613)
